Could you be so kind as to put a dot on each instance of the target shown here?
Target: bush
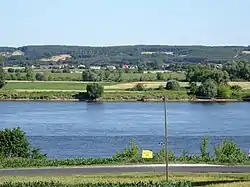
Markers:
(229, 152)
(13, 143)
(224, 91)
(131, 152)
(40, 76)
(161, 87)
(173, 85)
(138, 87)
(236, 88)
(11, 70)
(94, 91)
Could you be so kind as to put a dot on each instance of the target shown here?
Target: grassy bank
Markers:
(211, 180)
(227, 152)
(66, 90)
(108, 95)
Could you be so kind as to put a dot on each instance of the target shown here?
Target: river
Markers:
(79, 129)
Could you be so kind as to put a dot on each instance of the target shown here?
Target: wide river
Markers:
(79, 129)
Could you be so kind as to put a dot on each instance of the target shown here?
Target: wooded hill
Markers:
(138, 54)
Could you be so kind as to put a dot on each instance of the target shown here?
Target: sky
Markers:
(124, 22)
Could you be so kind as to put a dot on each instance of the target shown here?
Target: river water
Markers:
(80, 129)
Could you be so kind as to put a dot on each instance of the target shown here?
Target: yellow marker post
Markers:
(147, 154)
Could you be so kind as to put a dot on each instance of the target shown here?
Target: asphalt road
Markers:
(126, 168)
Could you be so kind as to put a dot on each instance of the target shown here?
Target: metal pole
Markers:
(166, 138)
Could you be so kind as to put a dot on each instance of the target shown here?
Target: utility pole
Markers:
(166, 138)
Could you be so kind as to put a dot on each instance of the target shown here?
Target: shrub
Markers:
(173, 85)
(224, 91)
(229, 152)
(138, 87)
(11, 70)
(236, 88)
(130, 152)
(161, 87)
(40, 76)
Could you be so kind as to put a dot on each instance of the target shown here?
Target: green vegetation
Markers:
(201, 179)
(94, 91)
(14, 144)
(102, 184)
(173, 85)
(96, 75)
(2, 78)
(150, 55)
(207, 89)
(29, 74)
(60, 86)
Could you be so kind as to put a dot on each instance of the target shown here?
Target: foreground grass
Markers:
(206, 179)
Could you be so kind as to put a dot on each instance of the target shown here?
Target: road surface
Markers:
(192, 168)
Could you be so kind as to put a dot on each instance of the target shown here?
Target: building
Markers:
(95, 67)
(111, 67)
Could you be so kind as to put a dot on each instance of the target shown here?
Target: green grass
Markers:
(205, 179)
(130, 77)
(44, 85)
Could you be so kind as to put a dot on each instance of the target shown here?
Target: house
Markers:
(95, 67)
(53, 66)
(81, 66)
(124, 66)
(111, 67)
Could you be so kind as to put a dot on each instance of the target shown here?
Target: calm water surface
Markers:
(78, 129)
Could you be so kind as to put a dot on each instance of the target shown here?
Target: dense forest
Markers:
(148, 55)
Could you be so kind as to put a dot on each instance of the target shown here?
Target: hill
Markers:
(137, 54)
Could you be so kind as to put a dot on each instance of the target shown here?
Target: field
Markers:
(244, 85)
(81, 86)
(49, 85)
(206, 179)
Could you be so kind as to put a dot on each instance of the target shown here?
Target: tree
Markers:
(66, 70)
(224, 91)
(40, 76)
(94, 91)
(173, 85)
(11, 70)
(29, 73)
(193, 88)
(89, 75)
(207, 89)
(14, 143)
(2, 76)
(160, 76)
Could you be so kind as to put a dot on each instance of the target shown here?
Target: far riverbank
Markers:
(118, 96)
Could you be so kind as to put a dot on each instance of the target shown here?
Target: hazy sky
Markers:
(124, 22)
